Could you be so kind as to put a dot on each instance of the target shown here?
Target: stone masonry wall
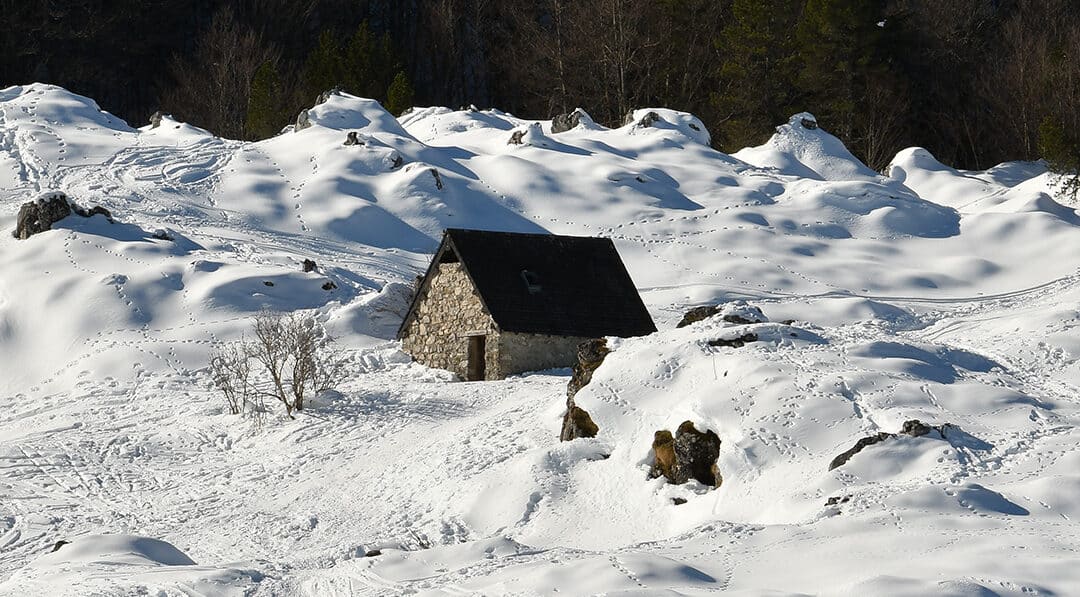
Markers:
(451, 308)
(533, 352)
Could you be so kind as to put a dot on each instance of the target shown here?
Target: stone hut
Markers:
(494, 304)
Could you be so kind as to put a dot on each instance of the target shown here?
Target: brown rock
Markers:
(577, 423)
(663, 456)
(697, 314)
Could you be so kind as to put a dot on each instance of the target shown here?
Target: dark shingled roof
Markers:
(546, 284)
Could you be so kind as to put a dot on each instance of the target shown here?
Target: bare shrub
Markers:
(289, 360)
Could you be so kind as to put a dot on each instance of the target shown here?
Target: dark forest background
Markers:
(975, 81)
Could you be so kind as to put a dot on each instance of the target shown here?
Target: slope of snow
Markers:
(933, 294)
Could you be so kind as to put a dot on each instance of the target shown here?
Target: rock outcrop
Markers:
(577, 422)
(648, 119)
(353, 138)
(737, 342)
(303, 121)
(689, 454)
(517, 138)
(310, 265)
(737, 312)
(697, 314)
(40, 214)
(912, 428)
(565, 122)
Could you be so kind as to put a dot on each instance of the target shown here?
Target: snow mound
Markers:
(125, 565)
(343, 112)
(685, 124)
(800, 148)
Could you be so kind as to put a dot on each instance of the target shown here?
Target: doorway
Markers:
(477, 352)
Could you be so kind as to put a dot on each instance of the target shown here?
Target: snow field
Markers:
(928, 293)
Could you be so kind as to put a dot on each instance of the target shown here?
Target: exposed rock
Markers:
(690, 454)
(352, 138)
(737, 312)
(517, 138)
(396, 162)
(916, 428)
(738, 342)
(438, 179)
(39, 215)
(58, 545)
(663, 446)
(577, 422)
(590, 356)
(741, 313)
(155, 119)
(808, 123)
(324, 96)
(310, 265)
(267, 283)
(329, 285)
(678, 501)
(912, 428)
(696, 453)
(565, 122)
(373, 553)
(697, 314)
(162, 234)
(836, 500)
(303, 121)
(648, 120)
(97, 210)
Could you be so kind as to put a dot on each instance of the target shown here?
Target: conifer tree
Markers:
(1062, 154)
(838, 41)
(323, 69)
(264, 116)
(399, 96)
(758, 70)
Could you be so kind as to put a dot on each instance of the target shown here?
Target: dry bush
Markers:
(289, 360)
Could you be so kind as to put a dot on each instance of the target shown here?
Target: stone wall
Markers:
(533, 352)
(445, 316)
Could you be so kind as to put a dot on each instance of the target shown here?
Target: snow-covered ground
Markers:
(930, 293)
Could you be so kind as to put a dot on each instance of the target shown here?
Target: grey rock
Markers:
(912, 428)
(155, 119)
(303, 121)
(696, 454)
(353, 139)
(310, 265)
(565, 122)
(39, 215)
(517, 138)
(738, 342)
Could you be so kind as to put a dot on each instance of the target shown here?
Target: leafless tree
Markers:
(295, 357)
(212, 87)
(289, 360)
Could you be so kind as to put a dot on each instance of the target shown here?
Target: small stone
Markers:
(678, 501)
(310, 265)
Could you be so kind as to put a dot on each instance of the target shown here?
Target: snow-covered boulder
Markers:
(49, 208)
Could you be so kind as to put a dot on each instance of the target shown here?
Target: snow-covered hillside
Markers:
(952, 297)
